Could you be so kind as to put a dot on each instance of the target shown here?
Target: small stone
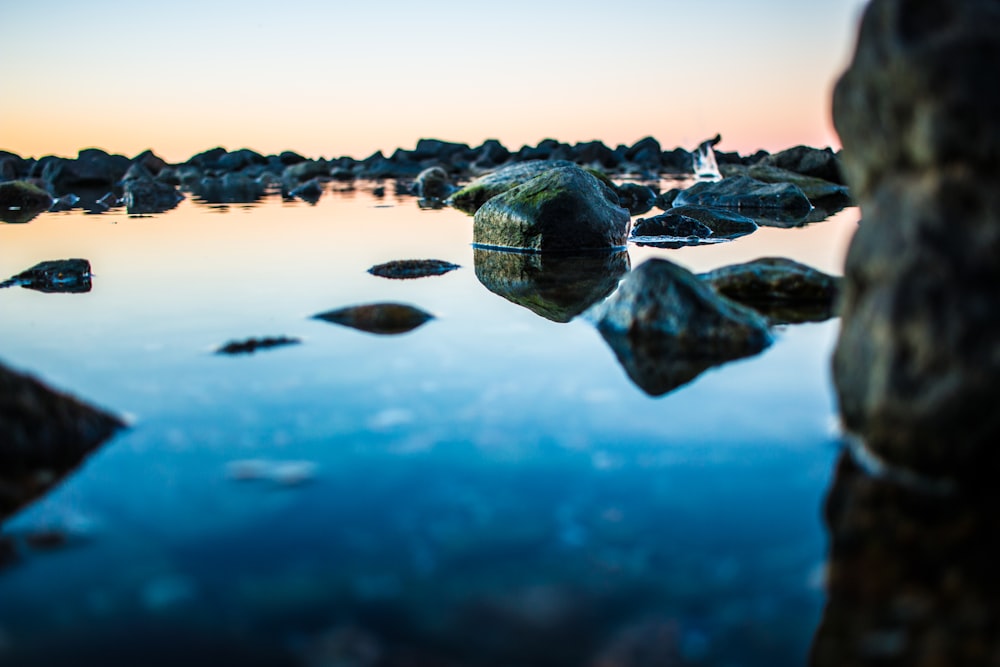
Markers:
(251, 345)
(60, 275)
(406, 269)
(378, 318)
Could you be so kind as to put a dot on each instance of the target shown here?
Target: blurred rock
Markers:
(563, 209)
(745, 194)
(147, 196)
(557, 287)
(378, 318)
(815, 162)
(21, 201)
(59, 275)
(815, 189)
(637, 198)
(918, 111)
(433, 184)
(251, 345)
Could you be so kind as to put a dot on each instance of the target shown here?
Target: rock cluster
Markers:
(917, 365)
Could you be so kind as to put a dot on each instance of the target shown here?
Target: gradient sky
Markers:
(328, 79)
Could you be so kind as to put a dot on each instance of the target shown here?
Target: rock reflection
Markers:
(912, 576)
(557, 287)
(45, 435)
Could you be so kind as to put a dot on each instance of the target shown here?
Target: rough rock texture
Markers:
(558, 286)
(666, 326)
(563, 209)
(815, 189)
(407, 269)
(917, 365)
(21, 201)
(481, 190)
(41, 429)
(57, 275)
(378, 318)
(745, 193)
(911, 578)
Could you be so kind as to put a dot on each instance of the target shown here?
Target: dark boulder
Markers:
(207, 160)
(645, 153)
(407, 269)
(637, 198)
(484, 188)
(146, 196)
(819, 163)
(783, 290)
(309, 192)
(815, 189)
(595, 154)
(93, 168)
(299, 172)
(563, 209)
(671, 225)
(433, 184)
(916, 366)
(59, 275)
(744, 193)
(666, 326)
(378, 318)
(21, 201)
(557, 287)
(240, 159)
(491, 154)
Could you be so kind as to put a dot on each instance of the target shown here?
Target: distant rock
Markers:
(783, 290)
(93, 168)
(378, 318)
(745, 194)
(145, 196)
(471, 197)
(816, 162)
(405, 269)
(60, 275)
(558, 286)
(666, 326)
(563, 209)
(645, 153)
(251, 345)
(309, 192)
(635, 197)
(433, 184)
(21, 201)
(815, 189)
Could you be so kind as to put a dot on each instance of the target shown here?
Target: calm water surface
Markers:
(491, 488)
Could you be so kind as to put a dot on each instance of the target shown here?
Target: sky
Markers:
(328, 79)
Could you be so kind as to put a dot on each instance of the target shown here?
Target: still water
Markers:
(489, 489)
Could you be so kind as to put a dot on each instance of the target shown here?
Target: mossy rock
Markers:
(565, 209)
(471, 197)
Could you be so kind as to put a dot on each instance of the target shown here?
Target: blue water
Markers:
(490, 488)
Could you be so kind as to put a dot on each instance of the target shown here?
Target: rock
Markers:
(677, 161)
(666, 326)
(665, 200)
(143, 196)
(471, 197)
(778, 288)
(93, 168)
(405, 269)
(645, 153)
(433, 184)
(378, 318)
(240, 159)
(637, 198)
(229, 188)
(251, 345)
(815, 189)
(557, 287)
(21, 201)
(109, 200)
(490, 154)
(564, 209)
(151, 162)
(691, 225)
(60, 275)
(595, 154)
(744, 193)
(42, 429)
(670, 226)
(299, 172)
(814, 162)
(722, 222)
(916, 366)
(207, 159)
(310, 191)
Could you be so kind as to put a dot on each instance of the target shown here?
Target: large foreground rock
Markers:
(917, 365)
(563, 209)
(556, 286)
(666, 326)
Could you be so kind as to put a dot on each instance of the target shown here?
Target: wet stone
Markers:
(378, 318)
(406, 269)
(21, 201)
(251, 345)
(745, 193)
(60, 275)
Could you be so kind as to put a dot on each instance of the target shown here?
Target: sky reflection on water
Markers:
(484, 487)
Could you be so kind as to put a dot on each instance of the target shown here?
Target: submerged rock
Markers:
(405, 269)
(21, 201)
(557, 287)
(917, 368)
(666, 326)
(744, 193)
(42, 431)
(471, 197)
(783, 290)
(251, 345)
(59, 275)
(378, 318)
(563, 209)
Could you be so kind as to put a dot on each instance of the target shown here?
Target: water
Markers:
(490, 488)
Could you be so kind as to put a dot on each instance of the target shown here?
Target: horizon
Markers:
(352, 80)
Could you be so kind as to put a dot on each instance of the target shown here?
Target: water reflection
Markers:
(554, 286)
(912, 577)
